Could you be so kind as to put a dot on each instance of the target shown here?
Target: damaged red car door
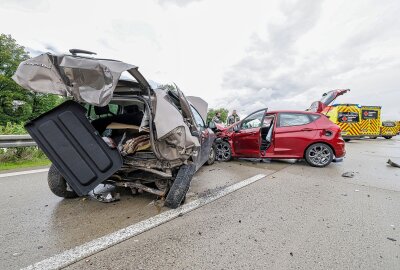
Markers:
(247, 134)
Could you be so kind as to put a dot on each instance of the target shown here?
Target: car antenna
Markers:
(75, 51)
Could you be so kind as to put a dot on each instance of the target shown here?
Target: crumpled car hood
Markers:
(86, 79)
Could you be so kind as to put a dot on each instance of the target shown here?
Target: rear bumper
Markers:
(340, 150)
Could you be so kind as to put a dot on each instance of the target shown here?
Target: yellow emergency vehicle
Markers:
(347, 117)
(370, 123)
(398, 127)
(389, 129)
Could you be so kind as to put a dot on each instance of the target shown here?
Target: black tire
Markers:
(319, 155)
(387, 137)
(58, 185)
(223, 151)
(212, 156)
(180, 186)
(347, 140)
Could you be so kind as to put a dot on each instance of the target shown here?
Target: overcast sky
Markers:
(236, 54)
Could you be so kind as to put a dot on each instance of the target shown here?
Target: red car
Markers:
(282, 135)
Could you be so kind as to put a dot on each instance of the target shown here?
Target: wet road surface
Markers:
(35, 224)
(298, 217)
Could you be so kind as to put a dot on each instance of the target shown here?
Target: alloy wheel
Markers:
(223, 151)
(320, 155)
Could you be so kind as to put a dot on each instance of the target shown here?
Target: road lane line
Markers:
(78, 253)
(23, 172)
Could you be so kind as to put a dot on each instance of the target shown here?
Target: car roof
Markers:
(291, 111)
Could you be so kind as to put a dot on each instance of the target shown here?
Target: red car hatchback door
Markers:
(293, 133)
(246, 139)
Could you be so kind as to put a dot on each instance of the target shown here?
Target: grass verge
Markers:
(11, 165)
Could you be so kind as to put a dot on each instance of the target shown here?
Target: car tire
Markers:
(347, 140)
(223, 151)
(180, 186)
(387, 137)
(212, 156)
(319, 155)
(58, 185)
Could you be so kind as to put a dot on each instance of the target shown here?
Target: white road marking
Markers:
(23, 172)
(78, 253)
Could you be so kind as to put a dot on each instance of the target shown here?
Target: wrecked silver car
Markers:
(115, 128)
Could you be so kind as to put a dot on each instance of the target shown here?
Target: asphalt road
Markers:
(298, 217)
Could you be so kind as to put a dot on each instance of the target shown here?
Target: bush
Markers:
(18, 154)
(12, 128)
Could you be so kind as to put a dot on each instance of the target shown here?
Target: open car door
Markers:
(246, 140)
(327, 99)
(74, 147)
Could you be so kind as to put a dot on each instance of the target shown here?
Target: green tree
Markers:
(17, 104)
(211, 113)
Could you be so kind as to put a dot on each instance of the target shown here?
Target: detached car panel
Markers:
(74, 147)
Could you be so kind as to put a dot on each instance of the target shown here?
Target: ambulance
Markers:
(370, 123)
(389, 129)
(346, 116)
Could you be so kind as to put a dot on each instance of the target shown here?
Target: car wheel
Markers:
(319, 155)
(58, 185)
(223, 152)
(180, 186)
(387, 137)
(347, 140)
(212, 155)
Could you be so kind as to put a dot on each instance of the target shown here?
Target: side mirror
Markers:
(236, 128)
(212, 125)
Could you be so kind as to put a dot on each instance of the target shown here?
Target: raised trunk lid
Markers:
(326, 100)
(88, 80)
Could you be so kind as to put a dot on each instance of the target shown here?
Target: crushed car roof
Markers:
(87, 79)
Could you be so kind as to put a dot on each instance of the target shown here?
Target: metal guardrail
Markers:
(7, 141)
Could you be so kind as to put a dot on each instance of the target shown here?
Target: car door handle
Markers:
(307, 129)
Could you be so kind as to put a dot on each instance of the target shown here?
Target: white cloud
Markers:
(239, 54)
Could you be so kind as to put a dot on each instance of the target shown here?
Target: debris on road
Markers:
(106, 197)
(393, 164)
(391, 239)
(348, 174)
